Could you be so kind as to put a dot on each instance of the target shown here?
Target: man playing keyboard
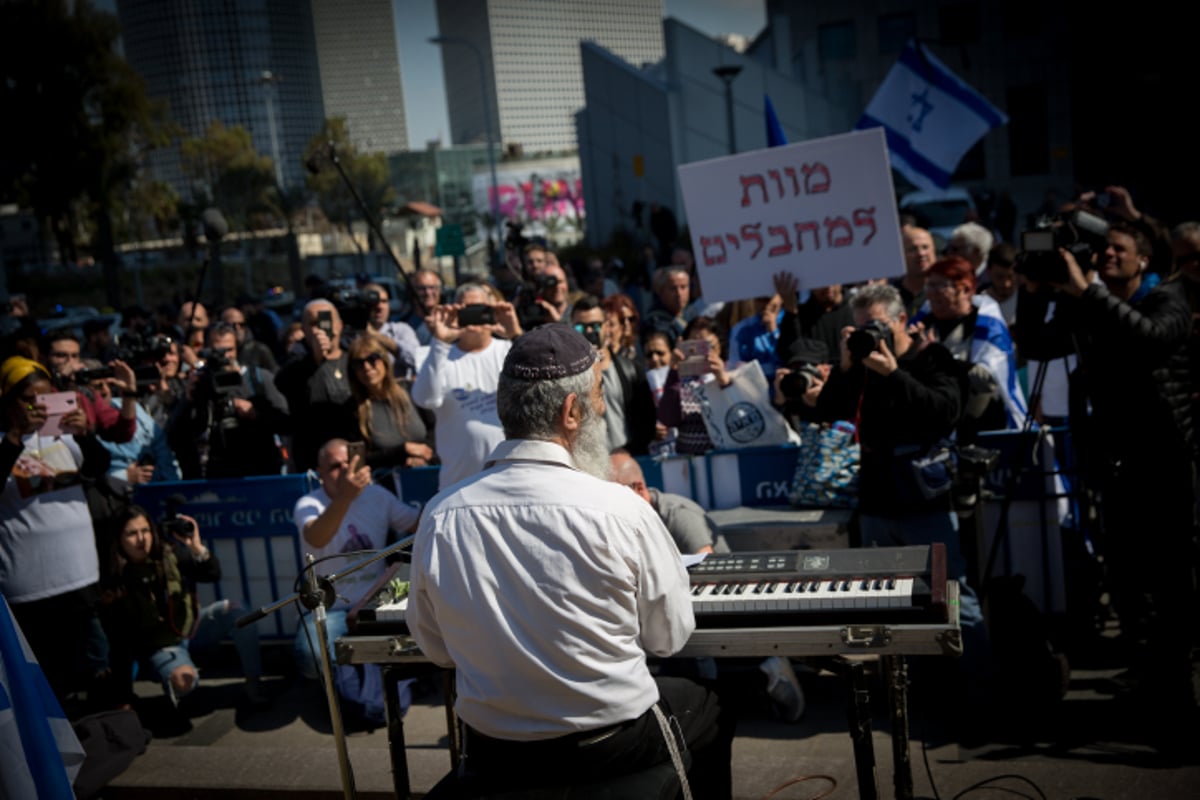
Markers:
(545, 586)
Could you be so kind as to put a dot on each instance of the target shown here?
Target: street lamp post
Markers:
(491, 142)
(269, 80)
(727, 72)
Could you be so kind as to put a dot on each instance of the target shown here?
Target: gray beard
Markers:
(590, 448)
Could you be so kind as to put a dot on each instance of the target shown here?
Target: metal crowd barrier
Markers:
(248, 522)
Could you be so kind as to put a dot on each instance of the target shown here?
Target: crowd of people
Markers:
(348, 391)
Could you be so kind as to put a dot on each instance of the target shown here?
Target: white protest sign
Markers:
(823, 210)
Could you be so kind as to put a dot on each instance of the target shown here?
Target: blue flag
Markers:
(39, 752)
(775, 136)
(931, 117)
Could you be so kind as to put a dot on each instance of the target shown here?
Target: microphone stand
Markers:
(318, 596)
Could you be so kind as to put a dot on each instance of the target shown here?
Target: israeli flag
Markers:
(992, 346)
(39, 752)
(931, 117)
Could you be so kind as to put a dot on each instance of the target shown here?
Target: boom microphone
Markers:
(215, 226)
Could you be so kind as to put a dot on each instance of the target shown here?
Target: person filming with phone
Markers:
(317, 387)
(458, 379)
(345, 515)
(152, 614)
(48, 563)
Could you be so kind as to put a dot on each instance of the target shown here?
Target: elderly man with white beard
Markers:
(545, 586)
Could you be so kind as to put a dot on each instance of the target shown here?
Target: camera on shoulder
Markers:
(1078, 232)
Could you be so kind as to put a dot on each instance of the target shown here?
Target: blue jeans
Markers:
(358, 683)
(216, 621)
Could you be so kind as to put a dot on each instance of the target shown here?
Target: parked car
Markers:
(939, 212)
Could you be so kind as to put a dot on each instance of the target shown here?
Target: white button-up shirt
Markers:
(545, 587)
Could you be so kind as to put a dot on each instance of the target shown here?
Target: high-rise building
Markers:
(360, 71)
(252, 64)
(531, 69)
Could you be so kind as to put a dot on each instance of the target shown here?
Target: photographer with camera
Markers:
(63, 359)
(152, 614)
(316, 386)
(1131, 342)
(233, 413)
(147, 456)
(459, 377)
(906, 393)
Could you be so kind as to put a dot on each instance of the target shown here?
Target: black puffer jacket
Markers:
(1134, 361)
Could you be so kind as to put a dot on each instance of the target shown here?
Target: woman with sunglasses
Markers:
(391, 425)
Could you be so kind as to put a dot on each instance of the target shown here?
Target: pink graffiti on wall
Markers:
(559, 198)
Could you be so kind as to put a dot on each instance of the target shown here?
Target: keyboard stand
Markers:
(891, 643)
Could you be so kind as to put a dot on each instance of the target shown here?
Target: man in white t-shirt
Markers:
(457, 380)
(347, 515)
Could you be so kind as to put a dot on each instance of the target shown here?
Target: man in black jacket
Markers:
(1131, 339)
(233, 414)
(906, 395)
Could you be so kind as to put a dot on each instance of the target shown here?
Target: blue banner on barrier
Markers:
(258, 506)
(766, 475)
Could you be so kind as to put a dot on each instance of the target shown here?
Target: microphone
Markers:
(215, 226)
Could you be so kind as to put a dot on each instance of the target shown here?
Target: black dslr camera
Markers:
(865, 339)
(796, 383)
(1078, 232)
(174, 525)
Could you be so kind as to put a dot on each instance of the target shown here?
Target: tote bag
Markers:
(741, 414)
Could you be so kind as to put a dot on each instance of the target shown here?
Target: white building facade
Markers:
(531, 63)
(639, 125)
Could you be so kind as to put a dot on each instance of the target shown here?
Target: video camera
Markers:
(1079, 232)
(354, 305)
(865, 339)
(216, 385)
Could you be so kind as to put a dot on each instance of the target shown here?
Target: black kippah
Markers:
(549, 352)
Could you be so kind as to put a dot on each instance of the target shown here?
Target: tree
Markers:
(367, 173)
(79, 121)
(238, 180)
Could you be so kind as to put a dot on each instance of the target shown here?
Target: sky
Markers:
(421, 63)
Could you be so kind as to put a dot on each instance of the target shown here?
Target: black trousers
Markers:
(704, 728)
(1148, 505)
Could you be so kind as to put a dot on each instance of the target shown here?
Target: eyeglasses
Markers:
(941, 286)
(370, 358)
(584, 327)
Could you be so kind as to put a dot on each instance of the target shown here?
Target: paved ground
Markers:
(1089, 745)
